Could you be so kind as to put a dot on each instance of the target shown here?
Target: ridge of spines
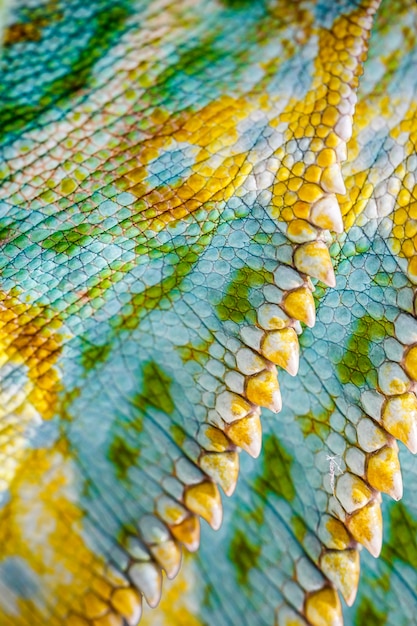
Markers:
(235, 423)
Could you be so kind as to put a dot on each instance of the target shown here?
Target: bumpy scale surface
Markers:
(190, 200)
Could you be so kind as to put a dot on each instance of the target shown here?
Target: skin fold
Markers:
(208, 224)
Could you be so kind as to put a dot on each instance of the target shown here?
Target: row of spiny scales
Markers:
(354, 511)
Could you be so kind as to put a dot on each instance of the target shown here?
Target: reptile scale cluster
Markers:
(198, 198)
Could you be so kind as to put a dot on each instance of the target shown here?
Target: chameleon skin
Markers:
(168, 188)
(275, 533)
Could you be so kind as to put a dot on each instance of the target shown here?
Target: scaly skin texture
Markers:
(179, 181)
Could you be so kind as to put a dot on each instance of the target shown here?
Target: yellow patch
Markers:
(29, 337)
(30, 346)
(336, 72)
(41, 524)
(218, 172)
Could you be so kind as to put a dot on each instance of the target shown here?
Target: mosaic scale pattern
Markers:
(182, 196)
